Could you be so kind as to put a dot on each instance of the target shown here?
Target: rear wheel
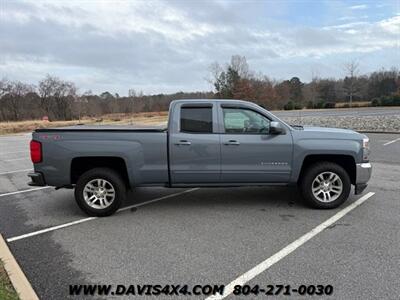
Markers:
(325, 185)
(100, 192)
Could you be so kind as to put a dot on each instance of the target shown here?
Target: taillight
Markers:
(36, 151)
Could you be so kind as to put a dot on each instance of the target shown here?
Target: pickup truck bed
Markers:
(142, 150)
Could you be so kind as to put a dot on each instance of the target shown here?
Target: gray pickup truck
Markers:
(210, 143)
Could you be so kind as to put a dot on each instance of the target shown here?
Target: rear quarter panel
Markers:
(145, 154)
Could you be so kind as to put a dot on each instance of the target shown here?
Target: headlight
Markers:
(365, 148)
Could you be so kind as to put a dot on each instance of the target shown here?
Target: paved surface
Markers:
(359, 112)
(205, 236)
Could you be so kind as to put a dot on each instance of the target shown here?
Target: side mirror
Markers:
(276, 128)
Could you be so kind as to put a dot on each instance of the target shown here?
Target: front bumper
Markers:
(37, 179)
(363, 174)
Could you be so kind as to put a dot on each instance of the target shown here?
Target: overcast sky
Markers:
(168, 46)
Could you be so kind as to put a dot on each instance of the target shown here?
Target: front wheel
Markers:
(325, 185)
(100, 192)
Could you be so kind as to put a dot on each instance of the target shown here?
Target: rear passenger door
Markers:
(194, 144)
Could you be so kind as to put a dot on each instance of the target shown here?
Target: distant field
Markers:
(149, 118)
(364, 118)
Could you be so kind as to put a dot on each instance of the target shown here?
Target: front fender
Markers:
(334, 147)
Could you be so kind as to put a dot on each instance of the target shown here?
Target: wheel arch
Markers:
(347, 162)
(80, 165)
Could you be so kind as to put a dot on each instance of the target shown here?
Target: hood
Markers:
(328, 130)
(329, 133)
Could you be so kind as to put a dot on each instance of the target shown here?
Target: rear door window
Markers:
(196, 119)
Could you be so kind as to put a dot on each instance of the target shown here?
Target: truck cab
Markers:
(227, 143)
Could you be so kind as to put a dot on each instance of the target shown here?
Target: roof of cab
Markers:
(211, 100)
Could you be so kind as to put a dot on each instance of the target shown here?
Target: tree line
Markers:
(59, 99)
(236, 81)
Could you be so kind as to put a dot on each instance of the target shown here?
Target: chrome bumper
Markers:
(363, 174)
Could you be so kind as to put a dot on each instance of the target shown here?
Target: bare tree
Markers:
(132, 96)
(235, 75)
(57, 96)
(80, 101)
(5, 87)
(64, 97)
(239, 64)
(314, 86)
(16, 93)
(46, 90)
(352, 69)
(215, 70)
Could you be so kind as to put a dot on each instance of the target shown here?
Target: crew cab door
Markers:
(194, 144)
(249, 153)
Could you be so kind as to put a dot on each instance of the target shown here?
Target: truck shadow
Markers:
(266, 197)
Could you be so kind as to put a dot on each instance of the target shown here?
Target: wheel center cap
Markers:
(100, 192)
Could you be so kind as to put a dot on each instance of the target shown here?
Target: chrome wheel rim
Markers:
(99, 193)
(327, 187)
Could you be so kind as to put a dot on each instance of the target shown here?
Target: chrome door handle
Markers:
(232, 143)
(183, 143)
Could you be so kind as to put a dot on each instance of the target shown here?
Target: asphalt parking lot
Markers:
(204, 236)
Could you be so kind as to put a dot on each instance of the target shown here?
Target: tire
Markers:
(327, 191)
(100, 192)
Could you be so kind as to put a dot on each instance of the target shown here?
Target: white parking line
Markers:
(266, 264)
(25, 151)
(14, 159)
(2, 139)
(15, 136)
(24, 236)
(25, 191)
(16, 171)
(391, 142)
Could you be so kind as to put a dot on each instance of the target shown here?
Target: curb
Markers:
(15, 273)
